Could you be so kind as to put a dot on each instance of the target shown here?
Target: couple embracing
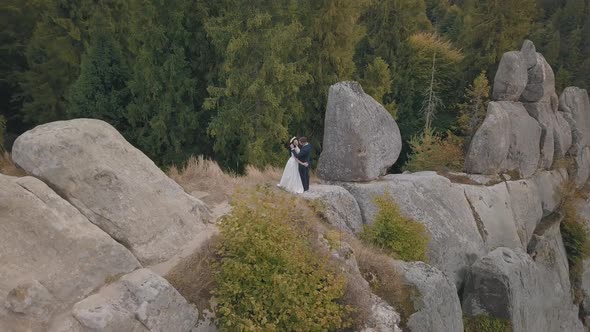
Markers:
(295, 177)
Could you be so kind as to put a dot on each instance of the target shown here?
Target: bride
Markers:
(291, 180)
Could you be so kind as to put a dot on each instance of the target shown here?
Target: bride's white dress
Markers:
(291, 181)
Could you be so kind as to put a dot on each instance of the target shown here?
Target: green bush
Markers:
(482, 323)
(269, 278)
(575, 237)
(432, 152)
(399, 236)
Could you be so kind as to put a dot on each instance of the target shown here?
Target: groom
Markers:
(304, 156)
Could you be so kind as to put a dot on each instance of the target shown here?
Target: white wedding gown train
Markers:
(291, 181)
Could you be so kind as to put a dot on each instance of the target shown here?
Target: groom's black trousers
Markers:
(304, 174)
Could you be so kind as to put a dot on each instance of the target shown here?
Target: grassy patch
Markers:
(399, 236)
(385, 281)
(269, 276)
(575, 236)
(483, 323)
(7, 166)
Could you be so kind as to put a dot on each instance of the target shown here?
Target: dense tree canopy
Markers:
(234, 79)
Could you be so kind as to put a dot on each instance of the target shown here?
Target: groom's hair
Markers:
(303, 140)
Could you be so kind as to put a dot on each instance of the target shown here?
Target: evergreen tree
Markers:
(473, 111)
(376, 82)
(162, 115)
(100, 91)
(334, 30)
(261, 75)
(53, 58)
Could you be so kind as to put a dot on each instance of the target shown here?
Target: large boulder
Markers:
(508, 140)
(575, 107)
(529, 52)
(541, 81)
(361, 139)
(527, 207)
(508, 284)
(549, 186)
(582, 167)
(511, 77)
(139, 301)
(492, 206)
(437, 303)
(113, 184)
(50, 254)
(441, 206)
(338, 206)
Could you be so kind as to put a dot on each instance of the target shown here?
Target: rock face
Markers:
(511, 77)
(434, 201)
(139, 301)
(529, 52)
(437, 305)
(361, 139)
(113, 184)
(508, 284)
(575, 107)
(492, 206)
(339, 207)
(507, 140)
(541, 81)
(50, 254)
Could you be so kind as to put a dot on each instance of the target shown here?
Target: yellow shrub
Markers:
(269, 278)
(401, 237)
(431, 152)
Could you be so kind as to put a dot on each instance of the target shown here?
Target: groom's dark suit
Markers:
(304, 156)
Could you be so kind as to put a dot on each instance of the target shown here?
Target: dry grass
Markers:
(204, 175)
(194, 278)
(386, 282)
(8, 167)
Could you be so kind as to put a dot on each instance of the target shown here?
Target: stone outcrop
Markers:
(434, 201)
(492, 206)
(532, 295)
(437, 304)
(139, 301)
(511, 77)
(338, 206)
(361, 139)
(574, 104)
(508, 140)
(50, 254)
(113, 184)
(541, 80)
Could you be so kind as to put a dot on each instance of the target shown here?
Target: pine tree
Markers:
(162, 115)
(261, 75)
(473, 111)
(376, 82)
(100, 91)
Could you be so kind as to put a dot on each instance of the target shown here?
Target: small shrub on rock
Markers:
(483, 323)
(432, 152)
(399, 236)
(269, 278)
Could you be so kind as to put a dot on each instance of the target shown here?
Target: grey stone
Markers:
(541, 81)
(32, 299)
(544, 115)
(527, 207)
(511, 77)
(339, 207)
(113, 184)
(582, 167)
(139, 301)
(549, 185)
(529, 52)
(563, 136)
(361, 139)
(507, 140)
(509, 284)
(44, 238)
(492, 206)
(575, 107)
(440, 206)
(437, 304)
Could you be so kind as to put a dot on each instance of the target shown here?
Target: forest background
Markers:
(232, 80)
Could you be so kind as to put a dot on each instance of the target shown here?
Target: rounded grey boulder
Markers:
(361, 139)
(511, 77)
